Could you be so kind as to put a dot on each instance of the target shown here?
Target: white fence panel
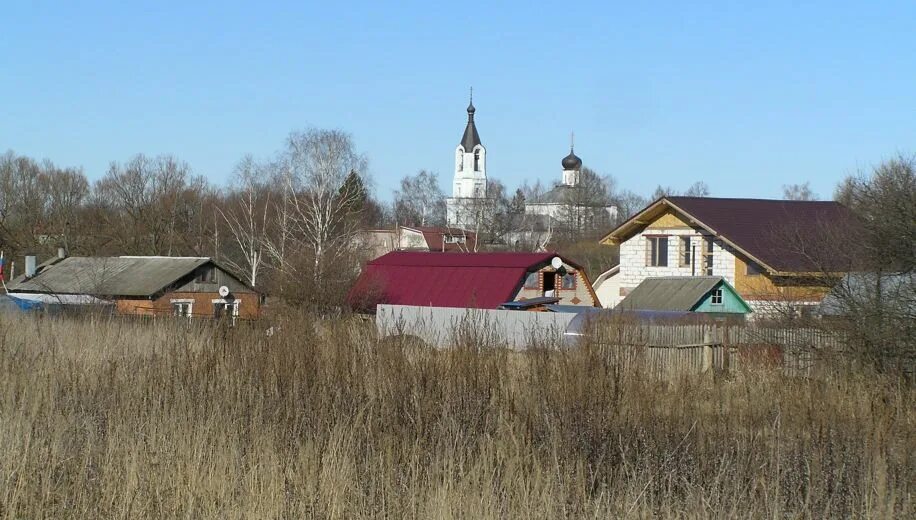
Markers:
(446, 326)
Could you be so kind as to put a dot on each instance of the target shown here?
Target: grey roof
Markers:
(559, 194)
(110, 276)
(860, 291)
(471, 138)
(571, 161)
(670, 293)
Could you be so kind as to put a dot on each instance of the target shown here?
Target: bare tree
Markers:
(246, 213)
(586, 207)
(151, 206)
(697, 189)
(420, 201)
(798, 192)
(316, 205)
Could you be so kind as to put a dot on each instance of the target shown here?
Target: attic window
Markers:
(531, 281)
(753, 269)
(716, 297)
(206, 275)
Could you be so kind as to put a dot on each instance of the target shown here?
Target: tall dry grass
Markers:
(108, 418)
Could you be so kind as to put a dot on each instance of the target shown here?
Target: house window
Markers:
(476, 160)
(657, 251)
(753, 269)
(717, 297)
(531, 281)
(707, 257)
(206, 275)
(684, 251)
(569, 281)
(182, 308)
(226, 309)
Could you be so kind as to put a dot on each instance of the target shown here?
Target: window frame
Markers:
(685, 251)
(571, 276)
(717, 294)
(536, 276)
(709, 249)
(657, 259)
(178, 303)
(752, 268)
(233, 304)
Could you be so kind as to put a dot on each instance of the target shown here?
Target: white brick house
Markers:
(741, 240)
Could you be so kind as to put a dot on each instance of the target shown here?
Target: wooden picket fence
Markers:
(694, 348)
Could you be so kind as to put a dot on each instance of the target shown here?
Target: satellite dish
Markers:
(557, 262)
(223, 291)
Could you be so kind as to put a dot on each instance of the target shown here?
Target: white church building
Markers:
(566, 204)
(469, 204)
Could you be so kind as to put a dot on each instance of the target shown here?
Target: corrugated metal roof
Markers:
(109, 276)
(670, 293)
(473, 280)
(416, 258)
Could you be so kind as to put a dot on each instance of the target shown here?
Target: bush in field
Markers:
(104, 417)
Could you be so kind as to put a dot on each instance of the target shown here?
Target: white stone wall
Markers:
(468, 182)
(608, 291)
(633, 268)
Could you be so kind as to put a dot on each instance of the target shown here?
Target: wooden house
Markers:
(709, 295)
(470, 280)
(138, 285)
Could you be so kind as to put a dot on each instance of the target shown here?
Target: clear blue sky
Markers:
(744, 98)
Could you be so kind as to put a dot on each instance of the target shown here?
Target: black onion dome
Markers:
(572, 161)
(471, 108)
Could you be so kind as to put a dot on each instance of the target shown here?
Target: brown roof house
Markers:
(138, 285)
(780, 256)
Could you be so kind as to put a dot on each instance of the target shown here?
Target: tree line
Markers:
(292, 224)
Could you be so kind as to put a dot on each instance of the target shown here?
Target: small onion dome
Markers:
(471, 108)
(572, 161)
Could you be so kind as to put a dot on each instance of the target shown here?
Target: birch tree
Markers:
(317, 206)
(247, 216)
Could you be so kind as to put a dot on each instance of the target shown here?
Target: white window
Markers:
(717, 297)
(228, 309)
(184, 308)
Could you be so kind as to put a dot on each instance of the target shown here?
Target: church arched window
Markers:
(460, 160)
(477, 160)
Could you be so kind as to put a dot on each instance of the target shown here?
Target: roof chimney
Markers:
(61, 253)
(31, 265)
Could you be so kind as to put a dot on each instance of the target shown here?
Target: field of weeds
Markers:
(102, 418)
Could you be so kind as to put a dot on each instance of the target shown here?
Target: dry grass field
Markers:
(107, 418)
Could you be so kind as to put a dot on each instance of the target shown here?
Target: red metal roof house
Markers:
(472, 280)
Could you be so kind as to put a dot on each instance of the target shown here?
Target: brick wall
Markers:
(202, 305)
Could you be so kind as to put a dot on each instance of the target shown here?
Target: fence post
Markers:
(707, 350)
